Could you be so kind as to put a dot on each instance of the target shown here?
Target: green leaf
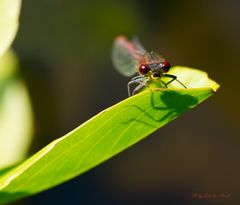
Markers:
(15, 113)
(9, 13)
(108, 133)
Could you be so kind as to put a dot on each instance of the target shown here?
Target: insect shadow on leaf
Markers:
(167, 104)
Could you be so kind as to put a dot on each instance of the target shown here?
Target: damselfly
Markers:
(130, 57)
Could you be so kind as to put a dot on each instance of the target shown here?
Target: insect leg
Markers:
(173, 78)
(141, 80)
(165, 84)
(130, 83)
(141, 85)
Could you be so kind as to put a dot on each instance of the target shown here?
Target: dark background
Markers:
(64, 49)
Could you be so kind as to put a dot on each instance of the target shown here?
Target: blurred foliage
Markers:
(15, 113)
(9, 10)
(15, 108)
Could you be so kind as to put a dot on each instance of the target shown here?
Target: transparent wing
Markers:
(140, 49)
(126, 56)
(153, 58)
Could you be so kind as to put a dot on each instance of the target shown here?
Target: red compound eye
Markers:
(165, 66)
(144, 69)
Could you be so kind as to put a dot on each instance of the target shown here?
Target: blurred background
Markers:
(64, 56)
